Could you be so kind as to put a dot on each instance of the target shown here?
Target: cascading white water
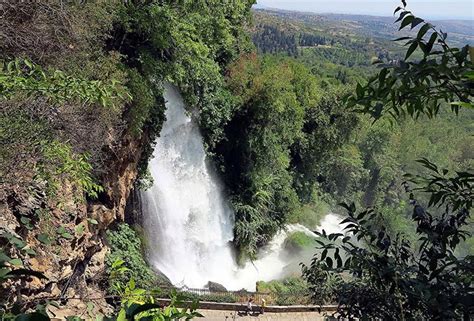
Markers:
(188, 223)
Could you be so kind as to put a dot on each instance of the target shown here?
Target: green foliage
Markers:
(143, 102)
(371, 156)
(391, 278)
(60, 161)
(270, 40)
(327, 126)
(55, 161)
(443, 76)
(145, 180)
(150, 310)
(310, 214)
(138, 304)
(24, 77)
(18, 132)
(188, 43)
(278, 129)
(273, 95)
(126, 246)
(298, 241)
(223, 297)
(290, 291)
(375, 156)
(64, 233)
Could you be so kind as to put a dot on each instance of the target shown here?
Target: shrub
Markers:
(212, 297)
(298, 241)
(388, 277)
(125, 245)
(292, 290)
(310, 214)
(143, 101)
(60, 161)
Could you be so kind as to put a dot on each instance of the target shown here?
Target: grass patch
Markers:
(298, 241)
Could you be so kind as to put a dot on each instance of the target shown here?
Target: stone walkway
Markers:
(213, 315)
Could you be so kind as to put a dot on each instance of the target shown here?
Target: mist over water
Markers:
(187, 220)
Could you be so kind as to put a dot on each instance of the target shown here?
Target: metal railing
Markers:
(241, 296)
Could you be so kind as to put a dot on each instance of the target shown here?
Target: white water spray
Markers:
(188, 223)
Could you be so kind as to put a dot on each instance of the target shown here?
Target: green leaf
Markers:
(92, 221)
(117, 263)
(359, 91)
(3, 273)
(16, 262)
(28, 63)
(19, 244)
(4, 257)
(324, 254)
(411, 49)
(406, 21)
(432, 40)
(79, 229)
(463, 104)
(25, 220)
(10, 66)
(382, 75)
(402, 15)
(329, 262)
(30, 251)
(423, 30)
(402, 38)
(469, 74)
(142, 308)
(122, 315)
(424, 48)
(67, 236)
(416, 22)
(339, 262)
(43, 238)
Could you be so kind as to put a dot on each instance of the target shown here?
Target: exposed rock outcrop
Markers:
(216, 287)
(67, 234)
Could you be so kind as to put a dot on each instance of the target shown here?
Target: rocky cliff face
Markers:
(65, 241)
(118, 183)
(50, 147)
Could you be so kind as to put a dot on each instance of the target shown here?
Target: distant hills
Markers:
(460, 32)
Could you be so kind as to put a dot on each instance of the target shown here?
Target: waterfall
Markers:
(187, 221)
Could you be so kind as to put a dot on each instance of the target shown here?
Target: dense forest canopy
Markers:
(298, 112)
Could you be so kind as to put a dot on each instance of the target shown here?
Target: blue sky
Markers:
(442, 9)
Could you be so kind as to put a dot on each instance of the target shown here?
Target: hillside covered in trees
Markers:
(299, 113)
(372, 156)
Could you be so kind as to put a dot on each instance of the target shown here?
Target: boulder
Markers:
(215, 287)
(163, 280)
